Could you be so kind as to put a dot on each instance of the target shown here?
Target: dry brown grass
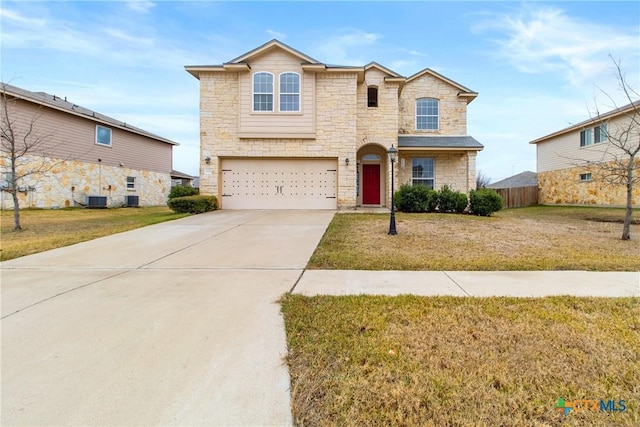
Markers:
(540, 238)
(45, 229)
(448, 361)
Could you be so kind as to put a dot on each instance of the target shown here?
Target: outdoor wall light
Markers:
(207, 160)
(346, 161)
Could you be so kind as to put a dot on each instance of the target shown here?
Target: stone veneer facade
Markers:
(344, 127)
(564, 187)
(69, 182)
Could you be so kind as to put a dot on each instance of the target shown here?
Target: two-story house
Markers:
(86, 158)
(281, 130)
(568, 160)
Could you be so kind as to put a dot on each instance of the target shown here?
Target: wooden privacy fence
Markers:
(518, 197)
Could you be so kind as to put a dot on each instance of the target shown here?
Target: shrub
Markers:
(193, 204)
(485, 201)
(182, 191)
(451, 201)
(414, 198)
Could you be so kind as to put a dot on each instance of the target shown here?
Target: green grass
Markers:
(536, 238)
(45, 229)
(436, 361)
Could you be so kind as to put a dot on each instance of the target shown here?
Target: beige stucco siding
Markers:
(71, 137)
(564, 151)
(452, 113)
(276, 123)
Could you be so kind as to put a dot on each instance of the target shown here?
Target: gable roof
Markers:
(271, 45)
(382, 68)
(464, 91)
(241, 63)
(523, 179)
(60, 104)
(592, 121)
(442, 142)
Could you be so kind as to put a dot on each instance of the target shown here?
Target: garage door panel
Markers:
(279, 184)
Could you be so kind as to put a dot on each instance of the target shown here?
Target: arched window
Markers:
(289, 92)
(427, 110)
(263, 92)
(372, 96)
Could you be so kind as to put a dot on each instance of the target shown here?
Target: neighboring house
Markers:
(281, 130)
(567, 161)
(523, 179)
(95, 158)
(181, 178)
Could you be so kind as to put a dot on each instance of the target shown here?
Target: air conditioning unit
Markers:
(96, 202)
(132, 201)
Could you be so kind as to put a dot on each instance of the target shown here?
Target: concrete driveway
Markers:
(172, 324)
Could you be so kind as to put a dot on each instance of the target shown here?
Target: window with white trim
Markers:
(263, 92)
(585, 177)
(600, 133)
(289, 92)
(594, 135)
(103, 136)
(427, 114)
(423, 171)
(131, 183)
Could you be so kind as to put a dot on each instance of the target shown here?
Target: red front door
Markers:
(370, 184)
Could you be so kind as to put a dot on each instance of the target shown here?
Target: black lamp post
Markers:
(393, 156)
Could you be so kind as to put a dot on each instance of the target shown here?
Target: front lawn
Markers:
(535, 238)
(450, 361)
(45, 229)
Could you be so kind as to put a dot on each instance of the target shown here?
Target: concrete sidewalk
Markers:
(470, 283)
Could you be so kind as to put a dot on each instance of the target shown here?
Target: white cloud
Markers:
(18, 18)
(140, 6)
(546, 39)
(276, 35)
(122, 35)
(345, 49)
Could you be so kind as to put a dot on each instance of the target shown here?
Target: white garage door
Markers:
(279, 184)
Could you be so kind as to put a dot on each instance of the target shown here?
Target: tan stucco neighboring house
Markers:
(279, 129)
(90, 158)
(567, 161)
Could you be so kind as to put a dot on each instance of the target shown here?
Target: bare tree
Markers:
(22, 148)
(482, 180)
(620, 162)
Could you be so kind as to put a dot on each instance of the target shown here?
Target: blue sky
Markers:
(538, 66)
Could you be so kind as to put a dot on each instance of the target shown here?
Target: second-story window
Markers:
(427, 110)
(263, 92)
(289, 92)
(103, 136)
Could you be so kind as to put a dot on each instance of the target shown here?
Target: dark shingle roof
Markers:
(428, 141)
(523, 179)
(62, 104)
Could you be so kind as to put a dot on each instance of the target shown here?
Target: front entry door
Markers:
(370, 184)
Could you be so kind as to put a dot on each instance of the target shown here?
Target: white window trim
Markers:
(110, 136)
(127, 183)
(586, 177)
(423, 179)
(272, 93)
(438, 116)
(299, 93)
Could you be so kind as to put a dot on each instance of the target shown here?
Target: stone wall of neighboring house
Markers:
(336, 106)
(563, 186)
(458, 170)
(69, 182)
